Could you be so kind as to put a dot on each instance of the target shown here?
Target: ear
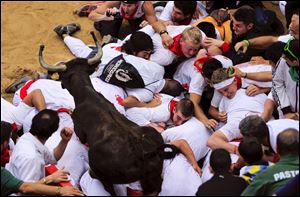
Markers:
(250, 26)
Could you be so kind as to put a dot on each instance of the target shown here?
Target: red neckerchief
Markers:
(173, 104)
(238, 82)
(185, 86)
(131, 16)
(23, 91)
(62, 109)
(199, 62)
(119, 48)
(175, 47)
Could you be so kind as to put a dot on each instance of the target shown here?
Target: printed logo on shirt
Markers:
(285, 175)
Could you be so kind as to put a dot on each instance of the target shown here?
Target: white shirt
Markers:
(14, 114)
(144, 116)
(237, 108)
(91, 186)
(179, 178)
(164, 56)
(188, 76)
(285, 38)
(277, 126)
(29, 158)
(194, 132)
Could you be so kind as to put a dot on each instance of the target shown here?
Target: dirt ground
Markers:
(27, 24)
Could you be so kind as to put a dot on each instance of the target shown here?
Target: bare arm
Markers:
(99, 13)
(209, 123)
(149, 12)
(41, 189)
(132, 101)
(261, 42)
(184, 147)
(219, 140)
(263, 76)
(35, 99)
(66, 134)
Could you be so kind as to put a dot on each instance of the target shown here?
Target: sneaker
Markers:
(68, 29)
(17, 84)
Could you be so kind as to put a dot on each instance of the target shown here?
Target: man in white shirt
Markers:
(234, 108)
(30, 156)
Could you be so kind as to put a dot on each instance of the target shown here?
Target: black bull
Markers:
(120, 151)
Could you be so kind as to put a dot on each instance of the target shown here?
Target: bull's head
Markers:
(65, 69)
(63, 66)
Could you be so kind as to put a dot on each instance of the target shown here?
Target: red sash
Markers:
(238, 82)
(173, 104)
(175, 47)
(50, 169)
(132, 192)
(23, 90)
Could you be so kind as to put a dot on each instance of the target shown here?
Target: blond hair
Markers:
(192, 34)
(219, 75)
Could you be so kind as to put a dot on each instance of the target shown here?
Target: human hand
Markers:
(197, 168)
(201, 53)
(58, 176)
(237, 73)
(167, 40)
(143, 23)
(210, 124)
(222, 116)
(66, 134)
(70, 191)
(241, 46)
(252, 90)
(110, 14)
(156, 101)
(212, 42)
(294, 116)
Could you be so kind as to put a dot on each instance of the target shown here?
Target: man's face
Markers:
(178, 118)
(128, 8)
(229, 91)
(144, 54)
(240, 28)
(294, 26)
(188, 48)
(177, 16)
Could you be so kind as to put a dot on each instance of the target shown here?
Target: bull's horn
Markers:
(61, 66)
(99, 54)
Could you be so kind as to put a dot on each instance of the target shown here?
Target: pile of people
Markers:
(217, 81)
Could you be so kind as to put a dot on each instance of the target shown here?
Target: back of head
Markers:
(245, 14)
(192, 34)
(254, 126)
(44, 124)
(186, 107)
(291, 50)
(208, 28)
(288, 142)
(219, 75)
(274, 52)
(186, 7)
(6, 130)
(210, 66)
(250, 149)
(172, 87)
(139, 41)
(220, 161)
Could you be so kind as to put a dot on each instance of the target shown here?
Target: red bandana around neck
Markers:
(238, 82)
(173, 104)
(175, 47)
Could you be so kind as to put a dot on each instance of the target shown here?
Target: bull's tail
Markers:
(166, 153)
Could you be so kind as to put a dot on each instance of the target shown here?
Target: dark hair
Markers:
(293, 46)
(288, 142)
(139, 41)
(274, 52)
(6, 130)
(250, 149)
(208, 28)
(186, 7)
(220, 161)
(210, 66)
(245, 14)
(172, 87)
(186, 107)
(254, 126)
(44, 124)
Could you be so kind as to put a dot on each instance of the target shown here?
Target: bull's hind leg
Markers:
(109, 188)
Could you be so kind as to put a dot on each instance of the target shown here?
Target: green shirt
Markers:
(9, 183)
(271, 179)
